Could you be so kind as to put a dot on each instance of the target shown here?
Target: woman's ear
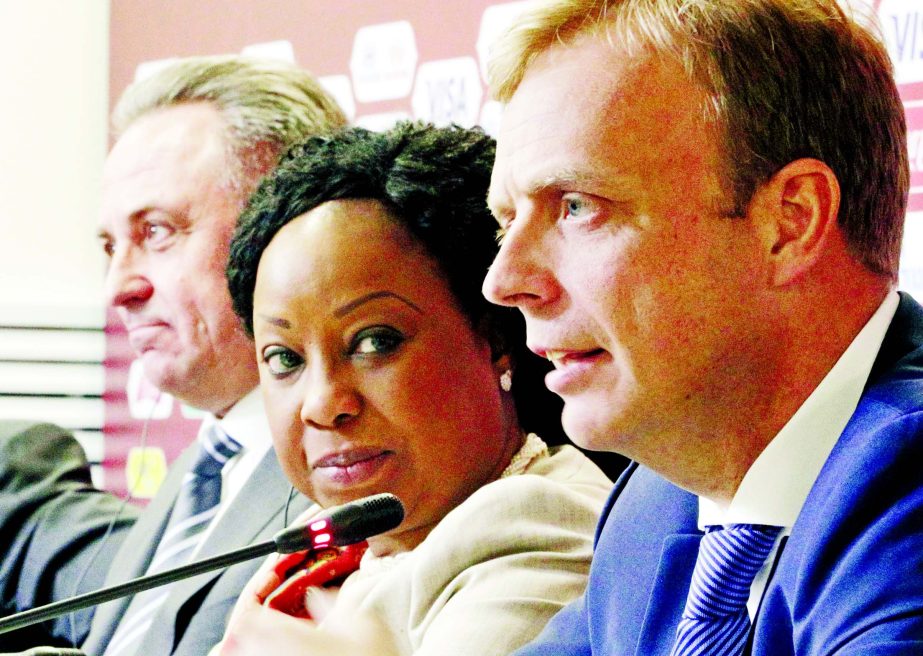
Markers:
(795, 213)
(487, 329)
(503, 364)
(499, 351)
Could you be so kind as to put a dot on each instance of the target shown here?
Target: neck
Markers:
(408, 538)
(802, 345)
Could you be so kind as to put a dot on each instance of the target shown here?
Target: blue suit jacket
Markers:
(850, 577)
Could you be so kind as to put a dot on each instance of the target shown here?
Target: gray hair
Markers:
(267, 105)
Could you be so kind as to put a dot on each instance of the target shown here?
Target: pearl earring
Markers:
(506, 380)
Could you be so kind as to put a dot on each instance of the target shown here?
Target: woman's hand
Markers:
(255, 630)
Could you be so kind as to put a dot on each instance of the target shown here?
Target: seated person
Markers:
(357, 268)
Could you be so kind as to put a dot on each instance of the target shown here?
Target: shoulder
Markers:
(553, 506)
(564, 483)
(40, 458)
(25, 439)
(506, 559)
(853, 560)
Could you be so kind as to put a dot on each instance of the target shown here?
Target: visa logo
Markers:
(906, 35)
(915, 150)
(902, 27)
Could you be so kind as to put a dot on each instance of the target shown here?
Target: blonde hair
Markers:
(785, 79)
(267, 106)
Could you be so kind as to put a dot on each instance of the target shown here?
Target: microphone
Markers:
(341, 525)
(338, 526)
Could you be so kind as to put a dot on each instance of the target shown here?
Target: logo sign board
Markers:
(902, 26)
(911, 267)
(340, 88)
(383, 60)
(495, 20)
(448, 91)
(915, 151)
(145, 401)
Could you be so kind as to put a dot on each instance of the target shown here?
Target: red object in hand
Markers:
(314, 568)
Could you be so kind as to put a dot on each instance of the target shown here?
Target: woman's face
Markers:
(373, 378)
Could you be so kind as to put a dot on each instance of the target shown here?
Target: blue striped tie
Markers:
(715, 620)
(195, 506)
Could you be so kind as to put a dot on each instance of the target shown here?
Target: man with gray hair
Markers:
(701, 205)
(193, 140)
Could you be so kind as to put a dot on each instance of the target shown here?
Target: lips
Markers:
(140, 335)
(563, 358)
(572, 368)
(353, 466)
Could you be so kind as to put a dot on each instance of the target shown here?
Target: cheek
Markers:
(200, 278)
(285, 424)
(411, 395)
(439, 399)
(455, 384)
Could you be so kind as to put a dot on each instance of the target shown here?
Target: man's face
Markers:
(618, 250)
(167, 216)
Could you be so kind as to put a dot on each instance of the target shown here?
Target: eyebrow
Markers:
(281, 323)
(501, 206)
(571, 178)
(610, 186)
(367, 298)
(345, 309)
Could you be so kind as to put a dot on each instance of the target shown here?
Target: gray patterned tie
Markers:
(196, 504)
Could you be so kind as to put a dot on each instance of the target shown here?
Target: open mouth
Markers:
(562, 358)
(573, 370)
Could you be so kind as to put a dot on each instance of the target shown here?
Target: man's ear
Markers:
(796, 211)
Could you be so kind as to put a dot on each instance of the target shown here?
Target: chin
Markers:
(590, 431)
(157, 376)
(177, 386)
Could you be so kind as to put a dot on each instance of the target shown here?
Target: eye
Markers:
(108, 247)
(504, 219)
(377, 340)
(281, 361)
(576, 206)
(157, 234)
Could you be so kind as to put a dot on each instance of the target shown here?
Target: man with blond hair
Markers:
(701, 206)
(193, 140)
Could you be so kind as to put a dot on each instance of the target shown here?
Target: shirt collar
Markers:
(778, 482)
(245, 422)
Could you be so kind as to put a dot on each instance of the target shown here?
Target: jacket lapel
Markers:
(642, 565)
(668, 594)
(257, 509)
(135, 554)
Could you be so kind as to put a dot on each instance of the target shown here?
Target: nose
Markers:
(521, 274)
(330, 399)
(126, 285)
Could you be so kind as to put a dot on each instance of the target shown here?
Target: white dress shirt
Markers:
(777, 484)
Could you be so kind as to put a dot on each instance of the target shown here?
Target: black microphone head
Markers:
(385, 508)
(346, 524)
(364, 518)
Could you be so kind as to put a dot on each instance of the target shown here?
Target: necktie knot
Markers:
(215, 448)
(715, 619)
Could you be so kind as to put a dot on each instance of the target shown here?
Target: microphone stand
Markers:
(346, 524)
(50, 611)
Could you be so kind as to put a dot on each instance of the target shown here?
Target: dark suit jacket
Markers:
(194, 616)
(849, 580)
(52, 521)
